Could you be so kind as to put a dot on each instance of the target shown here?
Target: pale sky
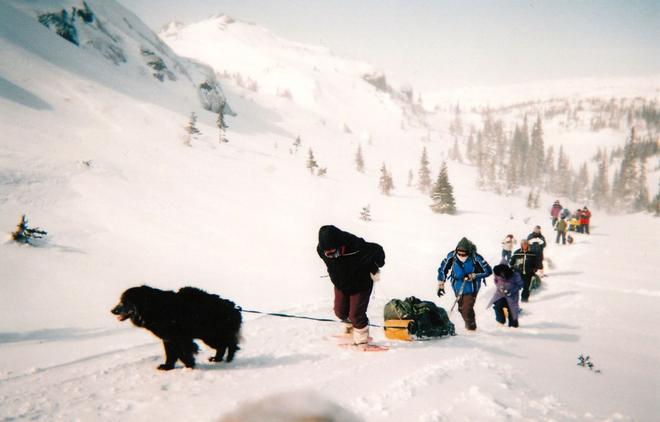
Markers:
(435, 44)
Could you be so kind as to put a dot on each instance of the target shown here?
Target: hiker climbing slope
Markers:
(465, 269)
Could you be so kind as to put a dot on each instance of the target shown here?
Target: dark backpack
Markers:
(429, 320)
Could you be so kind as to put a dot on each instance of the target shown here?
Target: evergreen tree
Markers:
(311, 161)
(359, 160)
(600, 190)
(386, 183)
(536, 153)
(221, 125)
(365, 214)
(296, 144)
(456, 152)
(625, 189)
(655, 204)
(551, 175)
(642, 200)
(530, 199)
(191, 129)
(564, 178)
(456, 126)
(424, 182)
(410, 178)
(581, 184)
(443, 193)
(469, 148)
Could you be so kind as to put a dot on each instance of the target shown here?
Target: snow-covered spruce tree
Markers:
(564, 176)
(296, 144)
(311, 161)
(530, 199)
(456, 152)
(424, 180)
(24, 234)
(536, 153)
(642, 200)
(359, 160)
(581, 184)
(456, 126)
(191, 129)
(600, 189)
(410, 178)
(625, 189)
(365, 214)
(655, 204)
(550, 179)
(469, 148)
(385, 183)
(222, 126)
(443, 193)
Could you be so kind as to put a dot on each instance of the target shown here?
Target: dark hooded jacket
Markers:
(350, 270)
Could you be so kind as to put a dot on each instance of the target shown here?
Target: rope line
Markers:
(276, 314)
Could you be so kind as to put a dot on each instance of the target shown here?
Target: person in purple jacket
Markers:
(507, 290)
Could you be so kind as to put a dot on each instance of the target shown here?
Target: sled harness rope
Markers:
(302, 317)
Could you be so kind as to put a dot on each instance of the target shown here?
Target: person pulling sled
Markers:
(353, 265)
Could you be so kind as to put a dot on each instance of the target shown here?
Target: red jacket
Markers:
(585, 216)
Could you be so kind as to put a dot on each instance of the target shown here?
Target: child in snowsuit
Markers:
(353, 265)
(561, 228)
(507, 288)
(468, 269)
(507, 246)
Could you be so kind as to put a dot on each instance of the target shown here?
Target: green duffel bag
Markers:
(428, 319)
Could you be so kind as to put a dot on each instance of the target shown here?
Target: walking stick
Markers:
(458, 297)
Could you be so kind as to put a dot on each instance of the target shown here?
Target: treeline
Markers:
(509, 162)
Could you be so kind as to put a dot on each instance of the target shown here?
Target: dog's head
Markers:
(130, 304)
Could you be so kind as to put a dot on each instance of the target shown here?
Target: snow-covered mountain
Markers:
(92, 149)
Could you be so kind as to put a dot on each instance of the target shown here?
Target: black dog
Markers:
(179, 317)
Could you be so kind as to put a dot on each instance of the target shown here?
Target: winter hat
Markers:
(503, 270)
(464, 245)
(329, 237)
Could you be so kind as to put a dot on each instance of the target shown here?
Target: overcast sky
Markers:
(442, 44)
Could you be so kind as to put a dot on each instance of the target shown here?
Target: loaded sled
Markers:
(413, 319)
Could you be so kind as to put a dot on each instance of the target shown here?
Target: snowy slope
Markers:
(240, 219)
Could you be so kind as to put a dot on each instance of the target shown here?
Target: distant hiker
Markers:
(565, 213)
(507, 290)
(561, 227)
(554, 212)
(525, 263)
(585, 217)
(468, 269)
(573, 224)
(353, 265)
(537, 244)
(507, 246)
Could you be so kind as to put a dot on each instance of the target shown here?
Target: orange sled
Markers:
(398, 329)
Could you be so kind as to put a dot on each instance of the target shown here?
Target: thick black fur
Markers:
(179, 317)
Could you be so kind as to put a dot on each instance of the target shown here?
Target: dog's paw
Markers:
(165, 367)
(215, 359)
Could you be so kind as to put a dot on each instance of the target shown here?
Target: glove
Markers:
(507, 293)
(441, 289)
(470, 276)
(375, 277)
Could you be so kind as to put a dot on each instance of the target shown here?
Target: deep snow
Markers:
(240, 219)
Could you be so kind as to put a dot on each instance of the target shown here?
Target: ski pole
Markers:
(458, 297)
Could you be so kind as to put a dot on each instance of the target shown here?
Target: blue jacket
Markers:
(459, 270)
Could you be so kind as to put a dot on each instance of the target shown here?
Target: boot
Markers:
(361, 335)
(347, 329)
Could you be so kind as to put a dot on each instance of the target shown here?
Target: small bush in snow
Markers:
(24, 234)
